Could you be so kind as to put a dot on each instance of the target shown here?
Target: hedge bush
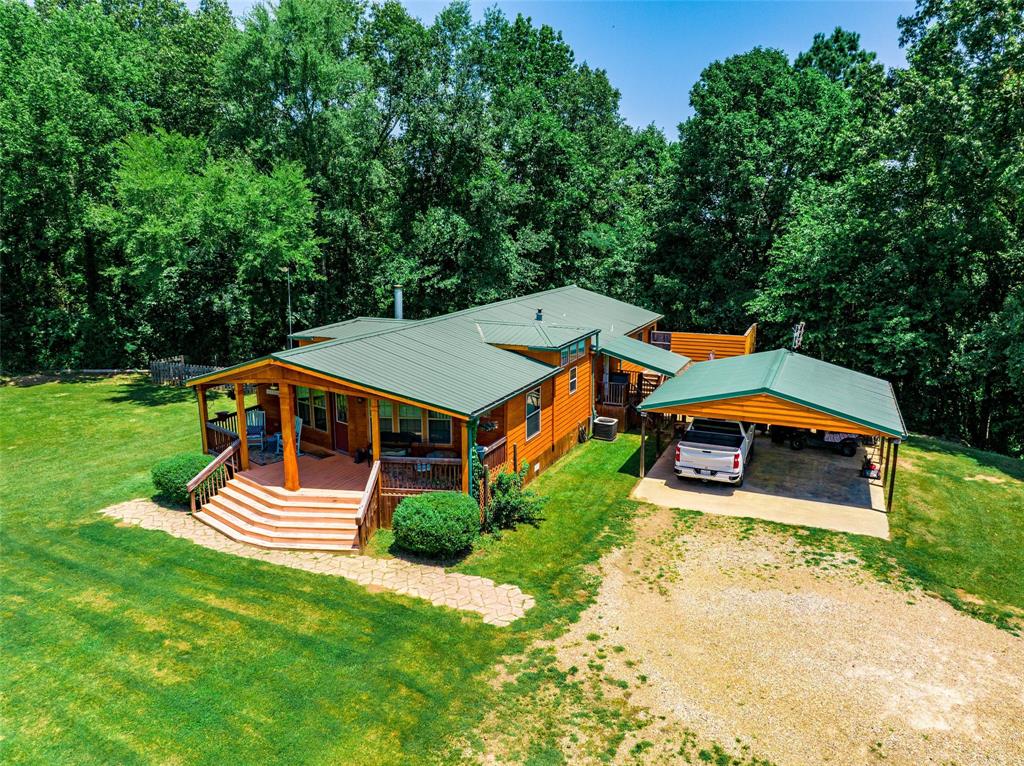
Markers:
(510, 504)
(436, 524)
(171, 475)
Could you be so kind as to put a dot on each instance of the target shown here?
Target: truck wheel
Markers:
(848, 448)
(797, 443)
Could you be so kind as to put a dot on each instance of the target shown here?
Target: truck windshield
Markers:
(715, 427)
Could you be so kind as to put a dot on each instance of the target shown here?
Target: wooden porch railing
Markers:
(229, 421)
(496, 455)
(209, 481)
(370, 517)
(402, 477)
(616, 393)
(218, 438)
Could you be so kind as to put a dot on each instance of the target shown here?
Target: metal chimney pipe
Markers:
(540, 315)
(398, 302)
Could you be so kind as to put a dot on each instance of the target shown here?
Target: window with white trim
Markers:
(439, 427)
(572, 380)
(384, 415)
(564, 356)
(532, 413)
(410, 420)
(311, 407)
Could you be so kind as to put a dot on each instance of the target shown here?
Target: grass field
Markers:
(129, 646)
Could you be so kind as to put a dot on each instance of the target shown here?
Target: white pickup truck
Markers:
(715, 450)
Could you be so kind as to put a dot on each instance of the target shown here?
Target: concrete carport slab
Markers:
(811, 487)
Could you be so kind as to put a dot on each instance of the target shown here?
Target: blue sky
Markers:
(655, 51)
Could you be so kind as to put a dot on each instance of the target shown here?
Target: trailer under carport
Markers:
(786, 389)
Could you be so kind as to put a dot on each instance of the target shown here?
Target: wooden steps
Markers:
(272, 517)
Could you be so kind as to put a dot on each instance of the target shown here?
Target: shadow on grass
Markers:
(146, 394)
(1011, 466)
(632, 465)
(42, 378)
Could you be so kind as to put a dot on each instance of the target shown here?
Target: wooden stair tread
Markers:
(303, 494)
(290, 510)
(260, 517)
(339, 545)
(294, 499)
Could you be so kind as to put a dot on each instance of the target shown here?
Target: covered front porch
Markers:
(309, 431)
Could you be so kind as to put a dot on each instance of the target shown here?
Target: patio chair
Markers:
(256, 428)
(279, 451)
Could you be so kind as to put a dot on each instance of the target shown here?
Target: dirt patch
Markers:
(714, 630)
(985, 477)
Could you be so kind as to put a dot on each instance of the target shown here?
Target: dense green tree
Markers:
(761, 130)
(159, 166)
(207, 244)
(71, 85)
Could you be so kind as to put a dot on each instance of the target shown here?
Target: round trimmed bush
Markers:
(436, 524)
(171, 475)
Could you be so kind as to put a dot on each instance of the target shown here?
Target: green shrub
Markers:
(171, 475)
(510, 504)
(436, 524)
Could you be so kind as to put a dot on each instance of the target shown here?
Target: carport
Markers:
(787, 389)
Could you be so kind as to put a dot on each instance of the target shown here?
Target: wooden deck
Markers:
(334, 473)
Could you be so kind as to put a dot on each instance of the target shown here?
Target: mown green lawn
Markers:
(122, 645)
(959, 526)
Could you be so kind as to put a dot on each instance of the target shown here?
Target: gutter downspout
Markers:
(471, 456)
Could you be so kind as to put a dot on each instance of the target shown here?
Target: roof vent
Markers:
(398, 301)
(540, 315)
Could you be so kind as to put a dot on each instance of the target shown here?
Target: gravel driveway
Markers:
(730, 632)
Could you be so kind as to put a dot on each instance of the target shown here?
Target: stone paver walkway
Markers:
(497, 604)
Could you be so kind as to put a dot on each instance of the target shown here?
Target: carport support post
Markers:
(643, 442)
(892, 475)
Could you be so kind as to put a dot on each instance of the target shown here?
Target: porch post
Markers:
(291, 459)
(375, 428)
(643, 443)
(242, 438)
(892, 476)
(465, 457)
(201, 394)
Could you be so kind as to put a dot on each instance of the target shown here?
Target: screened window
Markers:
(572, 380)
(410, 419)
(302, 408)
(341, 408)
(384, 415)
(533, 413)
(581, 349)
(565, 356)
(311, 406)
(318, 399)
(439, 428)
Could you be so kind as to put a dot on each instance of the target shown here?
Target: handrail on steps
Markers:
(371, 486)
(199, 481)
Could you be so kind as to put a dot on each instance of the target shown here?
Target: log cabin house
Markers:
(384, 408)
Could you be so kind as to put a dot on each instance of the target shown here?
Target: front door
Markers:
(341, 422)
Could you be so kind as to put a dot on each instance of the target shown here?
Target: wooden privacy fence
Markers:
(174, 371)
(701, 346)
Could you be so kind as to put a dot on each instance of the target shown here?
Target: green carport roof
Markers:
(786, 375)
(644, 354)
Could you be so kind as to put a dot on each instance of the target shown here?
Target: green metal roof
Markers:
(445, 362)
(534, 335)
(444, 366)
(350, 328)
(644, 354)
(793, 377)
